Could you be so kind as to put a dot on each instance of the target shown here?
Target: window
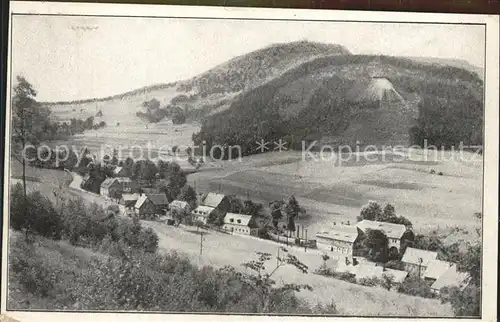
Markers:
(239, 221)
(231, 220)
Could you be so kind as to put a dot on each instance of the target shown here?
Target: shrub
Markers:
(416, 287)
(35, 214)
(369, 281)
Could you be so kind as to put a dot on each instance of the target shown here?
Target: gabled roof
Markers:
(244, 220)
(412, 256)
(399, 276)
(213, 199)
(340, 232)
(368, 271)
(107, 183)
(158, 199)
(117, 170)
(452, 277)
(436, 269)
(130, 196)
(390, 230)
(203, 211)
(142, 199)
(179, 204)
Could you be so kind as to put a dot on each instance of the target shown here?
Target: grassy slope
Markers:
(222, 249)
(57, 254)
(350, 299)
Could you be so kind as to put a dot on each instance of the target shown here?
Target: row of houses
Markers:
(435, 272)
(343, 238)
(424, 264)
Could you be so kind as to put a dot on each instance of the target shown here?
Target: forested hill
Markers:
(321, 100)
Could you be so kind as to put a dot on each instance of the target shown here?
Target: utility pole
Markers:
(305, 248)
(420, 260)
(201, 243)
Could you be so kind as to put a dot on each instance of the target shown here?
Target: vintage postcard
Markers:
(165, 162)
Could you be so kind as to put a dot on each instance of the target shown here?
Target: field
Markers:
(331, 191)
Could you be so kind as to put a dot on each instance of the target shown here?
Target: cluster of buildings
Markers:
(435, 272)
(344, 239)
(216, 205)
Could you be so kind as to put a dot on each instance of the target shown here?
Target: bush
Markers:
(416, 287)
(36, 214)
(369, 281)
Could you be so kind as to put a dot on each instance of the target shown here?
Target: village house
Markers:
(217, 201)
(436, 269)
(179, 205)
(145, 208)
(120, 172)
(125, 184)
(240, 224)
(416, 261)
(128, 200)
(110, 188)
(340, 238)
(451, 278)
(201, 213)
(160, 202)
(394, 232)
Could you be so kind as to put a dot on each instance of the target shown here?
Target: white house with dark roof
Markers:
(201, 213)
(240, 224)
(339, 238)
(394, 232)
(416, 260)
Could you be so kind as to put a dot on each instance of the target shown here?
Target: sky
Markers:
(70, 58)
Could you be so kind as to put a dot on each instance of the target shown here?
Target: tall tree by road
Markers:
(27, 123)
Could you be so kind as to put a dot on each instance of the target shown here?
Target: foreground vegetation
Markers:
(124, 271)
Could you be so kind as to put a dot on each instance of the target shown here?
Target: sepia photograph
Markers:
(249, 162)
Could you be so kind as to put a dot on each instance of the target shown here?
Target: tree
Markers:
(388, 213)
(235, 204)
(144, 170)
(387, 281)
(261, 280)
(376, 243)
(276, 213)
(371, 211)
(188, 194)
(427, 242)
(292, 210)
(27, 119)
(252, 209)
(466, 302)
